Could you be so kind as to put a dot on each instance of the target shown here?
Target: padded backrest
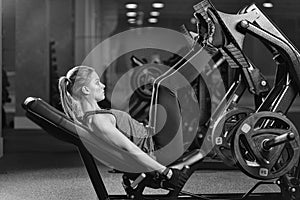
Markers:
(60, 126)
(52, 119)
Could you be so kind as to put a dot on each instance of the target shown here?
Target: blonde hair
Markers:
(70, 90)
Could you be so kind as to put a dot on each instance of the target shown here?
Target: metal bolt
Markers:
(263, 83)
(244, 24)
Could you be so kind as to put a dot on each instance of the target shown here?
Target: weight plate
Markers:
(256, 161)
(224, 131)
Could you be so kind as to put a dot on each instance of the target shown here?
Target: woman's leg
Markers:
(168, 138)
(168, 117)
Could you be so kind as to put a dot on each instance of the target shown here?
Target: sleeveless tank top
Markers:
(131, 128)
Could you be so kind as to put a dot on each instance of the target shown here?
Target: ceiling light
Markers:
(268, 4)
(131, 14)
(157, 5)
(131, 20)
(131, 5)
(154, 13)
(152, 20)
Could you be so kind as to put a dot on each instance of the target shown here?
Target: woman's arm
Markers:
(103, 125)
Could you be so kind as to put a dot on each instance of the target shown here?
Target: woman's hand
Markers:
(175, 179)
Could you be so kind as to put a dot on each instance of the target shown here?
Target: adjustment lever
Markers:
(268, 144)
(139, 179)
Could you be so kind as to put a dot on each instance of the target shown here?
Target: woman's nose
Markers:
(102, 85)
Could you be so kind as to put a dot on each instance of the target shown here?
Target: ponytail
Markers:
(70, 105)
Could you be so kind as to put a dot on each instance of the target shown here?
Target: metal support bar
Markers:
(287, 50)
(268, 144)
(223, 196)
(94, 174)
(256, 186)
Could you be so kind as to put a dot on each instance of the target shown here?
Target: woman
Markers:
(80, 90)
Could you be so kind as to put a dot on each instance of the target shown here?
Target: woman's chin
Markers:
(101, 99)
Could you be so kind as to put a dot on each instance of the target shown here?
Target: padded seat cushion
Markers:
(60, 126)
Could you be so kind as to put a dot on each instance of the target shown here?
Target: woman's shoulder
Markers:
(99, 116)
(95, 113)
(119, 113)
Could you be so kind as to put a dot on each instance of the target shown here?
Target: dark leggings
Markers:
(168, 140)
(168, 119)
(178, 110)
(170, 102)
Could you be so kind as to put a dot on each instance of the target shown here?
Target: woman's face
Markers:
(96, 88)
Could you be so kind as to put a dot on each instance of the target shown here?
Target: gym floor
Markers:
(36, 166)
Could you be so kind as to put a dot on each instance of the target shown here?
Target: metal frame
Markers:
(61, 133)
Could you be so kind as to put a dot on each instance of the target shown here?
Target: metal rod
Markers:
(139, 179)
(199, 197)
(268, 144)
(246, 195)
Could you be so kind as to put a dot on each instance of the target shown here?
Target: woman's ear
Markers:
(85, 90)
